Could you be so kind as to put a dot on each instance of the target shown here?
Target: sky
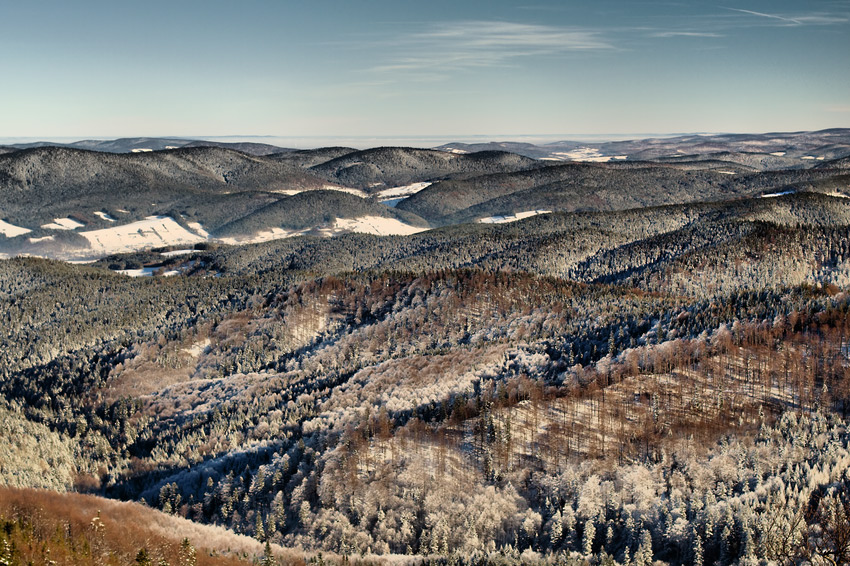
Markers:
(397, 69)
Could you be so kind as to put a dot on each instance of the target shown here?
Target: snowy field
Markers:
(10, 230)
(782, 194)
(589, 154)
(63, 224)
(153, 231)
(376, 225)
(512, 217)
(103, 216)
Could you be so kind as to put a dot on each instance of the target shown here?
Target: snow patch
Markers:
(512, 217)
(783, 193)
(727, 172)
(404, 190)
(177, 252)
(198, 348)
(263, 236)
(198, 229)
(10, 230)
(153, 231)
(778, 153)
(146, 272)
(42, 239)
(63, 224)
(590, 154)
(377, 225)
(103, 215)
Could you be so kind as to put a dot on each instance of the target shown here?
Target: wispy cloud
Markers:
(792, 21)
(685, 34)
(787, 20)
(473, 44)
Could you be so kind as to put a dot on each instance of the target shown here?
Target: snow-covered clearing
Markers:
(263, 236)
(103, 216)
(512, 217)
(198, 348)
(783, 193)
(177, 252)
(377, 225)
(153, 231)
(403, 190)
(146, 272)
(198, 229)
(42, 239)
(10, 230)
(590, 154)
(63, 224)
(778, 153)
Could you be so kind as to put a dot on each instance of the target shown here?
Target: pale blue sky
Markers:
(438, 68)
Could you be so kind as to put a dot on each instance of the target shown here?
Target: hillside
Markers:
(72, 529)
(40, 184)
(316, 210)
(582, 187)
(379, 168)
(651, 369)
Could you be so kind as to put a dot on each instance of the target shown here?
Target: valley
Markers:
(629, 352)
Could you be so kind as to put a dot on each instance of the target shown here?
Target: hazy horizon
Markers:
(364, 142)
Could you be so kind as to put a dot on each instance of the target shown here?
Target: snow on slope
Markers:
(10, 230)
(263, 236)
(104, 216)
(153, 231)
(774, 195)
(402, 191)
(63, 224)
(377, 225)
(512, 217)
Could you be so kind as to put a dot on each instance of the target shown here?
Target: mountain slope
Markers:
(379, 168)
(573, 187)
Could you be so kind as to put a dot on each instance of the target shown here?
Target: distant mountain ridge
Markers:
(69, 202)
(134, 145)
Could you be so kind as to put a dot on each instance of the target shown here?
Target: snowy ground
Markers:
(10, 230)
(153, 231)
(145, 272)
(376, 225)
(590, 154)
(512, 217)
(104, 216)
(395, 195)
(63, 224)
(263, 236)
(783, 193)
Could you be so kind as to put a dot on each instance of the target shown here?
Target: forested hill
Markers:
(379, 168)
(637, 380)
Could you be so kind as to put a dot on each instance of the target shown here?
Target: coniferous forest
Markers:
(647, 380)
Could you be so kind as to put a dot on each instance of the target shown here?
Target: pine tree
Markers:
(589, 535)
(643, 556)
(187, 554)
(268, 556)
